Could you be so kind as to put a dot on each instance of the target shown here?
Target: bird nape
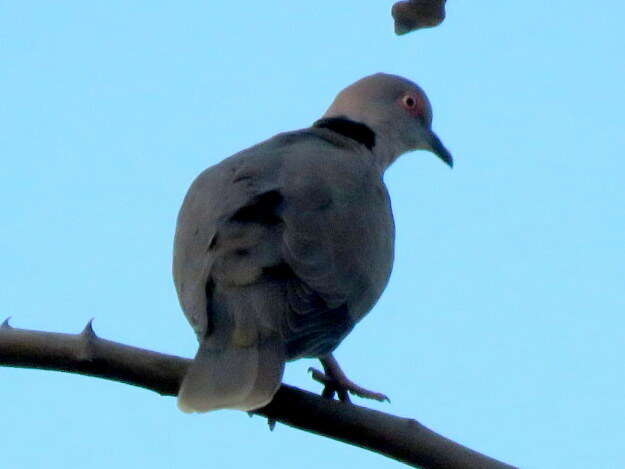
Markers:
(283, 247)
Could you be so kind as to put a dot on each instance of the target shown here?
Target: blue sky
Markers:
(502, 326)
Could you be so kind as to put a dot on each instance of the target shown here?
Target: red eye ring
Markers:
(415, 105)
(409, 102)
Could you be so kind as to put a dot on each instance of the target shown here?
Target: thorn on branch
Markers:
(271, 423)
(5, 324)
(88, 331)
(88, 336)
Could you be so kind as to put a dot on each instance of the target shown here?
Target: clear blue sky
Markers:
(503, 323)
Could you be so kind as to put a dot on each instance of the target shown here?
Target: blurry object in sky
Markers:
(416, 14)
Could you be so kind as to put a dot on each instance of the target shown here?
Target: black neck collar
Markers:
(349, 128)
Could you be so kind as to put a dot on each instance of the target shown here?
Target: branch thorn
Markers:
(5, 324)
(88, 330)
(271, 422)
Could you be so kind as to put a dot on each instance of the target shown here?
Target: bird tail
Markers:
(243, 378)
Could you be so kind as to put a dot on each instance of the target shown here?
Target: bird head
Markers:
(396, 110)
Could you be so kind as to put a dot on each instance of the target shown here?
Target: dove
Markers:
(281, 249)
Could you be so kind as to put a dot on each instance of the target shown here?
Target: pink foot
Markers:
(335, 381)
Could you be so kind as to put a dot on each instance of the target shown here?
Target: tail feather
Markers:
(271, 359)
(243, 378)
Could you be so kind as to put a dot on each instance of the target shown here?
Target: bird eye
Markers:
(409, 101)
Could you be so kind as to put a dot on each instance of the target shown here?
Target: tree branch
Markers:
(405, 440)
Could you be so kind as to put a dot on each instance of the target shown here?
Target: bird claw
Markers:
(329, 385)
(343, 388)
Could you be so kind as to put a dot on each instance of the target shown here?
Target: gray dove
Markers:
(283, 247)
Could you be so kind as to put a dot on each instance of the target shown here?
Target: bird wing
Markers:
(212, 226)
(337, 239)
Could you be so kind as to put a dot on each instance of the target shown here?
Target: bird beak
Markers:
(437, 147)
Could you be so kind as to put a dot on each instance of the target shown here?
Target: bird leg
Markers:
(336, 381)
